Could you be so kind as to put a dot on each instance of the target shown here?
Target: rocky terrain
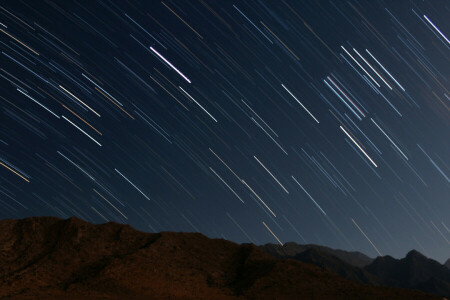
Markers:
(415, 271)
(51, 258)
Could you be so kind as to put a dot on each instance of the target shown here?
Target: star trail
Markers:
(321, 122)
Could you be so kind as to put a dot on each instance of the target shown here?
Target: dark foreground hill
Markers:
(50, 258)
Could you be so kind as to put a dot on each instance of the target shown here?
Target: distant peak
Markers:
(384, 259)
(447, 263)
(414, 253)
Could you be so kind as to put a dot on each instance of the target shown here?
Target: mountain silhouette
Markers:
(290, 250)
(333, 264)
(415, 271)
(50, 258)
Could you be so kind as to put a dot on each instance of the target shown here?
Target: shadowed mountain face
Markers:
(332, 263)
(415, 271)
(290, 250)
(447, 263)
(50, 258)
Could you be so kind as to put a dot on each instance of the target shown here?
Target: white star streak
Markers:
(273, 234)
(35, 101)
(132, 184)
(80, 101)
(437, 29)
(172, 66)
(226, 184)
(252, 23)
(271, 174)
(345, 95)
(78, 167)
(73, 124)
(389, 138)
(258, 198)
(385, 70)
(279, 146)
(190, 97)
(360, 66)
(300, 103)
(367, 238)
(359, 146)
(309, 196)
(225, 164)
(370, 66)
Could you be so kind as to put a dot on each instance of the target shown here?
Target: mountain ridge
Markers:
(291, 249)
(51, 258)
(414, 271)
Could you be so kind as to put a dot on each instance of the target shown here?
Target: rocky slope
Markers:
(50, 258)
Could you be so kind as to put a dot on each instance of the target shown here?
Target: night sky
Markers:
(322, 122)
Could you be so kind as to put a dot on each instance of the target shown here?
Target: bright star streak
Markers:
(437, 29)
(15, 172)
(37, 102)
(273, 234)
(359, 146)
(384, 69)
(360, 66)
(370, 66)
(168, 62)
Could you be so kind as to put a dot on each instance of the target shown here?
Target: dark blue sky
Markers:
(321, 122)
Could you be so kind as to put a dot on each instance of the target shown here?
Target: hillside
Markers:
(50, 258)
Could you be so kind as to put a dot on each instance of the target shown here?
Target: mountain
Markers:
(447, 263)
(290, 249)
(415, 271)
(50, 258)
(331, 263)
